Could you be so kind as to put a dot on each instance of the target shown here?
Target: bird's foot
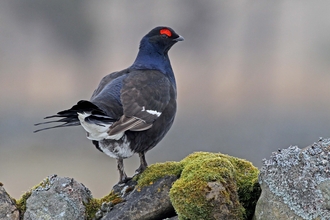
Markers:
(143, 164)
(140, 170)
(123, 188)
(124, 181)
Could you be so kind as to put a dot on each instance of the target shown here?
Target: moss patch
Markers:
(248, 186)
(157, 171)
(94, 204)
(21, 203)
(205, 176)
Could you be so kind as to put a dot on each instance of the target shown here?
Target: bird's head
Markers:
(161, 38)
(153, 50)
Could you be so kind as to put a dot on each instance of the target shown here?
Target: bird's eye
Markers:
(164, 36)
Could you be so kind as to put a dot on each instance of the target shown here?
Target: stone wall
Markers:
(202, 186)
(294, 184)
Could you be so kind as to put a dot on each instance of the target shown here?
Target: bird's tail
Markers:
(70, 117)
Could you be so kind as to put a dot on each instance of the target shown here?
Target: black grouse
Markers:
(131, 110)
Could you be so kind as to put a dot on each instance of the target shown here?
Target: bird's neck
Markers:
(149, 58)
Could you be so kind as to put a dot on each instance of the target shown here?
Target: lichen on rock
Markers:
(57, 198)
(299, 179)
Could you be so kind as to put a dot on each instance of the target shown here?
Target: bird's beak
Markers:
(180, 38)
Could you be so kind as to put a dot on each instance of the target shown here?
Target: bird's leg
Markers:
(122, 175)
(143, 164)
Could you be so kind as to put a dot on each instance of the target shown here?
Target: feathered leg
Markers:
(122, 175)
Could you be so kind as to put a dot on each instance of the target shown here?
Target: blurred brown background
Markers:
(253, 76)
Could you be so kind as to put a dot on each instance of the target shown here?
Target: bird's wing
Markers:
(144, 96)
(107, 94)
(107, 80)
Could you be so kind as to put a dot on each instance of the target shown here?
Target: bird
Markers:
(131, 110)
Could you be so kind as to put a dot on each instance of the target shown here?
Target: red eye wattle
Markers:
(167, 32)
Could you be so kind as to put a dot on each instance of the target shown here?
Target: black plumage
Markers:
(133, 109)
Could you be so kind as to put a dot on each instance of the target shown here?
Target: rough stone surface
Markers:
(57, 198)
(8, 209)
(148, 203)
(271, 207)
(295, 184)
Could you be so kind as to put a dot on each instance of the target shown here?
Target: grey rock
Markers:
(8, 209)
(272, 207)
(57, 198)
(149, 203)
(295, 184)
(324, 187)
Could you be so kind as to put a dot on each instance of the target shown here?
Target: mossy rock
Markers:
(210, 186)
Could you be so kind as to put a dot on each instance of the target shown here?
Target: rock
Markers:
(8, 209)
(295, 184)
(215, 186)
(271, 207)
(146, 203)
(57, 198)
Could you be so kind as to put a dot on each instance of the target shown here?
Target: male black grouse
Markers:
(131, 110)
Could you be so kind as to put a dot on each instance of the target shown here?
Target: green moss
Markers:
(189, 193)
(157, 171)
(248, 186)
(191, 201)
(21, 203)
(94, 204)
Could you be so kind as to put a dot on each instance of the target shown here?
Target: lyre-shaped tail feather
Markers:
(70, 117)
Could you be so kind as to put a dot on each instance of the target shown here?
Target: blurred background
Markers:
(252, 77)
